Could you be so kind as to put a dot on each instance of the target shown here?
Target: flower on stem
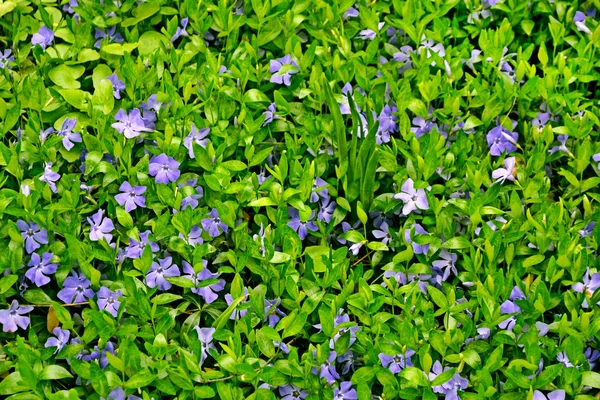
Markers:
(414, 199)
(164, 169)
(197, 136)
(14, 317)
(208, 293)
(60, 340)
(109, 35)
(76, 288)
(109, 300)
(180, 30)
(213, 225)
(40, 267)
(131, 196)
(66, 132)
(100, 227)
(136, 248)
(205, 335)
(398, 362)
(345, 392)
(118, 85)
(50, 177)
(33, 235)
(500, 139)
(283, 69)
(130, 125)
(298, 225)
(43, 37)
(417, 248)
(160, 271)
(508, 172)
(292, 392)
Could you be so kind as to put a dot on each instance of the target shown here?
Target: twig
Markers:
(362, 258)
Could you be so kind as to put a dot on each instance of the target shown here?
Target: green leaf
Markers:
(591, 379)
(459, 242)
(255, 96)
(124, 218)
(51, 372)
(234, 165)
(6, 7)
(204, 392)
(437, 296)
(66, 76)
(103, 97)
(415, 376)
(224, 317)
(141, 379)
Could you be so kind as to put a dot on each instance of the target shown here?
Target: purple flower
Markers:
(421, 126)
(119, 394)
(398, 362)
(500, 139)
(212, 225)
(270, 114)
(76, 288)
(131, 197)
(345, 392)
(591, 355)
(502, 174)
(205, 335)
(554, 395)
(50, 177)
(579, 20)
(13, 317)
(563, 145)
(66, 131)
(292, 392)
(33, 235)
(596, 157)
(475, 58)
(327, 369)
(39, 267)
(272, 313)
(131, 125)
(100, 228)
(236, 314)
(352, 12)
(451, 387)
(194, 237)
(298, 225)
(43, 37)
(164, 168)
(347, 360)
(109, 35)
(446, 264)
(109, 300)
(5, 58)
(283, 69)
(326, 210)
(417, 248)
(197, 136)
(60, 341)
(206, 292)
(588, 286)
(136, 248)
(413, 198)
(192, 200)
(564, 359)
(45, 133)
(180, 30)
(101, 355)
(319, 189)
(158, 271)
(383, 233)
(118, 85)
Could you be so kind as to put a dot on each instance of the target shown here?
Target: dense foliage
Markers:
(299, 199)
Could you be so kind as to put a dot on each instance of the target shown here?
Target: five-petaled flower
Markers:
(413, 198)
(283, 69)
(160, 271)
(39, 267)
(14, 317)
(100, 227)
(164, 169)
(33, 235)
(131, 196)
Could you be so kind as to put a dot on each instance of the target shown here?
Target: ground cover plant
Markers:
(299, 199)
